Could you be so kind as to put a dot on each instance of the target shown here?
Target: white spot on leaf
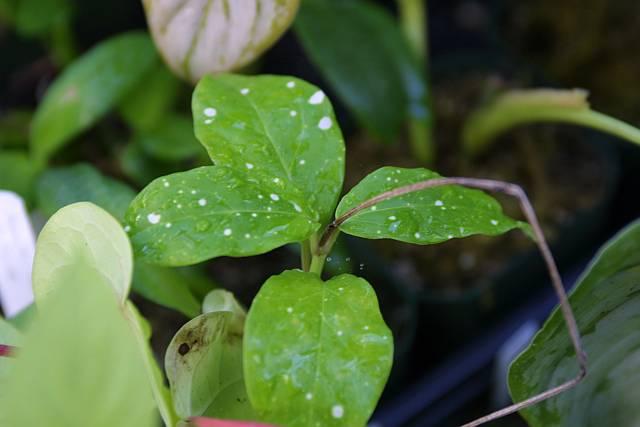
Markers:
(439, 203)
(337, 411)
(227, 232)
(249, 166)
(316, 98)
(291, 84)
(153, 218)
(202, 202)
(325, 123)
(210, 112)
(274, 197)
(244, 91)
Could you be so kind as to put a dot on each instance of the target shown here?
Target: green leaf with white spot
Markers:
(214, 211)
(88, 89)
(58, 187)
(172, 140)
(207, 37)
(278, 126)
(82, 242)
(78, 365)
(316, 353)
(204, 366)
(606, 304)
(423, 217)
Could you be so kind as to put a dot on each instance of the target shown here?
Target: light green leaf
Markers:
(88, 89)
(82, 242)
(207, 37)
(280, 127)
(161, 393)
(59, 187)
(375, 73)
(204, 366)
(316, 353)
(165, 286)
(172, 140)
(606, 303)
(79, 365)
(148, 104)
(221, 300)
(213, 211)
(8, 336)
(18, 173)
(424, 217)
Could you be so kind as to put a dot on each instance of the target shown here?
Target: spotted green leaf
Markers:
(316, 353)
(88, 89)
(425, 217)
(204, 366)
(58, 187)
(198, 37)
(281, 127)
(82, 242)
(213, 211)
(606, 303)
(78, 365)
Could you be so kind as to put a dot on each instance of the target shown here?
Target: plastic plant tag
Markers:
(17, 247)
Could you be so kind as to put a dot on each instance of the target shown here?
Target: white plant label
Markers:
(17, 248)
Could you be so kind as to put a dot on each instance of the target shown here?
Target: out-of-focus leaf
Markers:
(78, 365)
(606, 303)
(8, 336)
(198, 37)
(88, 89)
(141, 167)
(37, 17)
(18, 173)
(316, 352)
(59, 187)
(147, 105)
(172, 140)
(82, 242)
(423, 217)
(14, 129)
(363, 54)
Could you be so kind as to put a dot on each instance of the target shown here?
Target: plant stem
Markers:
(317, 264)
(63, 46)
(305, 255)
(414, 23)
(556, 281)
(543, 105)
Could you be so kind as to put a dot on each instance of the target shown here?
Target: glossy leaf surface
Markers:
(204, 367)
(79, 365)
(198, 37)
(82, 242)
(425, 217)
(59, 187)
(280, 127)
(316, 352)
(88, 89)
(375, 73)
(213, 211)
(606, 304)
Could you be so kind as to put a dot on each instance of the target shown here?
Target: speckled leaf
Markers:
(280, 126)
(606, 303)
(59, 187)
(198, 37)
(88, 89)
(172, 140)
(316, 353)
(213, 211)
(82, 241)
(79, 365)
(429, 216)
(204, 367)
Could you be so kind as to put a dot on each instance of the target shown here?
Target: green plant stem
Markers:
(485, 125)
(62, 43)
(414, 23)
(317, 264)
(305, 255)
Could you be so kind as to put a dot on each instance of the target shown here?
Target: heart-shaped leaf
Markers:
(204, 366)
(424, 217)
(281, 127)
(213, 211)
(82, 242)
(316, 353)
(198, 37)
(88, 89)
(606, 303)
(78, 365)
(375, 73)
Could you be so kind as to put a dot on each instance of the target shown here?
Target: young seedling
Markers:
(314, 352)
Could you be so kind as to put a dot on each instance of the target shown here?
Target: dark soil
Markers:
(561, 173)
